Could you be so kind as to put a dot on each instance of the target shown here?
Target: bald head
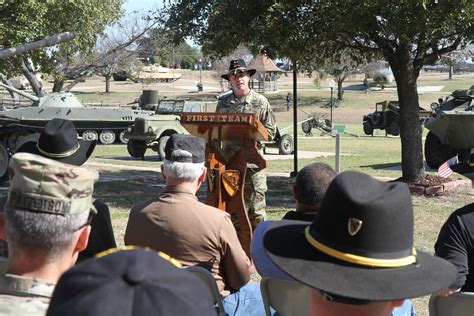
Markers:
(312, 182)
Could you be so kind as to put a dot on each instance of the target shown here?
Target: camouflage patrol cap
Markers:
(40, 184)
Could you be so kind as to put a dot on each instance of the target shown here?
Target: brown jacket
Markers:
(194, 233)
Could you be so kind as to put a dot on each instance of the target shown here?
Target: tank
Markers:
(10, 126)
(105, 124)
(451, 128)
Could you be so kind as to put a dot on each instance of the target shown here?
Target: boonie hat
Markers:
(238, 66)
(360, 245)
(130, 282)
(43, 185)
(59, 141)
(185, 148)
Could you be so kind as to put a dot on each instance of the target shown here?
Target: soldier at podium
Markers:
(245, 100)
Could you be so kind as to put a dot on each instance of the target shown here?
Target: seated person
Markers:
(352, 257)
(46, 223)
(310, 186)
(455, 241)
(59, 141)
(131, 282)
(194, 233)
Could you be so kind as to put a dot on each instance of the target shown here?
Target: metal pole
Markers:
(331, 107)
(338, 152)
(200, 73)
(295, 121)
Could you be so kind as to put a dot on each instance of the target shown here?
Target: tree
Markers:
(24, 21)
(157, 44)
(408, 34)
(113, 52)
(341, 65)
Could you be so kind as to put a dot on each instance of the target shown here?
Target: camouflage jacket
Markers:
(23, 295)
(251, 103)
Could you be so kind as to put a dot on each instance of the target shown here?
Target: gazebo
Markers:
(267, 74)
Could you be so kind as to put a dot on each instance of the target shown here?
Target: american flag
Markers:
(444, 170)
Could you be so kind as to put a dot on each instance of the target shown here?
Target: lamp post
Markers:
(200, 72)
(332, 83)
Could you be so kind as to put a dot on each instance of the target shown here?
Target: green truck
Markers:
(152, 132)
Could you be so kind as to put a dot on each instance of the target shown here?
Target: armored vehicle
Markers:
(102, 123)
(5, 151)
(153, 131)
(451, 128)
(387, 117)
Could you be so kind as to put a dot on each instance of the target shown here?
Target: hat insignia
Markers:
(353, 226)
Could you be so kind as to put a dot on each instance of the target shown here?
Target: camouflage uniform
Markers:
(256, 179)
(39, 184)
(24, 296)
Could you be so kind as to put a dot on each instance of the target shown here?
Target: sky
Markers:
(142, 6)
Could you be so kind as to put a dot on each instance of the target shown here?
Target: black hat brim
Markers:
(250, 71)
(287, 247)
(464, 169)
(78, 158)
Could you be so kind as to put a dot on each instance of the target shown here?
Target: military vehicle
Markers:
(451, 128)
(5, 151)
(102, 123)
(380, 72)
(387, 117)
(283, 141)
(153, 131)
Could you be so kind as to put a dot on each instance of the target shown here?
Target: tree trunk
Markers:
(31, 77)
(58, 85)
(410, 128)
(5, 80)
(451, 72)
(107, 83)
(340, 90)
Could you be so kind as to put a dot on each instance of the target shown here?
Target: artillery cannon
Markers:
(451, 128)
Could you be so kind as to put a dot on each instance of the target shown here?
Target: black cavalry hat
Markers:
(59, 141)
(360, 246)
(185, 148)
(131, 282)
(237, 66)
(465, 168)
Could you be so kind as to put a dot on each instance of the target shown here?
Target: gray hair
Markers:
(42, 234)
(185, 171)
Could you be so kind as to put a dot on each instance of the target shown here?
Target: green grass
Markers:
(372, 155)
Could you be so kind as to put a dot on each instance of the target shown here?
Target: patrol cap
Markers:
(40, 184)
(131, 282)
(185, 148)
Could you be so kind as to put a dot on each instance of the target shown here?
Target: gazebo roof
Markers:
(262, 63)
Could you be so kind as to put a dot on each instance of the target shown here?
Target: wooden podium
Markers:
(226, 175)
